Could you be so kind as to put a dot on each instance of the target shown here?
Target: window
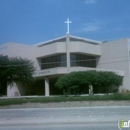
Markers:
(53, 61)
(73, 60)
(63, 60)
(83, 60)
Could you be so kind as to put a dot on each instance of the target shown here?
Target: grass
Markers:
(115, 97)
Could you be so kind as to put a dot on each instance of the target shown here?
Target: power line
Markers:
(70, 61)
(97, 59)
(14, 65)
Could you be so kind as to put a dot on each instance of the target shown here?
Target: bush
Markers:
(77, 81)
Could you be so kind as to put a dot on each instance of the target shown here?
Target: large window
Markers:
(75, 60)
(53, 61)
(83, 60)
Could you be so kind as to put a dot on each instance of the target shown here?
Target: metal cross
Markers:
(68, 22)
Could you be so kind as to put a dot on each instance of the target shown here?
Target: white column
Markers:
(47, 89)
(67, 50)
(12, 90)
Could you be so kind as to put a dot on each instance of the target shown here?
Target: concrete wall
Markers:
(12, 91)
(17, 90)
(65, 70)
(19, 50)
(49, 49)
(60, 47)
(87, 48)
(114, 56)
(4, 49)
(23, 51)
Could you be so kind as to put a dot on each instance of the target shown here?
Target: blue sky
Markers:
(34, 21)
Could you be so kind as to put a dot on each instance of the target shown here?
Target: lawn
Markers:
(116, 97)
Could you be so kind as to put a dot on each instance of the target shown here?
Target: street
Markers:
(63, 127)
(80, 118)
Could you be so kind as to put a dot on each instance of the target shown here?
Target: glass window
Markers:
(83, 60)
(63, 60)
(73, 60)
(58, 61)
(53, 61)
(78, 59)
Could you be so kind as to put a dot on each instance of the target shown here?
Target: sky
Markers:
(35, 21)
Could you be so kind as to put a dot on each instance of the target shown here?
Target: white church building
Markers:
(66, 54)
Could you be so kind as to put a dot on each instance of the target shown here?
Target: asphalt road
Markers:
(62, 127)
(90, 118)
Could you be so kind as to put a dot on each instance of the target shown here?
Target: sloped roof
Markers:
(72, 38)
(84, 39)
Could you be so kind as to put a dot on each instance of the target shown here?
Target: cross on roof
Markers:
(68, 22)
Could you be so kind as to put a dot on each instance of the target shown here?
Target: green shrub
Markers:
(78, 81)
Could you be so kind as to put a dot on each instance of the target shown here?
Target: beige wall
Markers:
(49, 49)
(60, 47)
(17, 90)
(114, 55)
(12, 90)
(87, 48)
(65, 70)
(4, 49)
(19, 50)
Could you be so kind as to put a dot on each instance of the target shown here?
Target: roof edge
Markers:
(80, 38)
(86, 39)
(41, 43)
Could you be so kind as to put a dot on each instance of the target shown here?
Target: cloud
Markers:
(90, 1)
(89, 28)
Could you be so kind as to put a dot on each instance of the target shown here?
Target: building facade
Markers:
(66, 54)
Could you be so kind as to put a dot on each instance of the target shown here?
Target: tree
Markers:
(3, 80)
(109, 78)
(78, 81)
(16, 70)
(70, 81)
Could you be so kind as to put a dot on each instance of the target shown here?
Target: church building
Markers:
(66, 54)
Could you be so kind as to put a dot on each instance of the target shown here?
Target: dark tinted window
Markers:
(83, 60)
(53, 61)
